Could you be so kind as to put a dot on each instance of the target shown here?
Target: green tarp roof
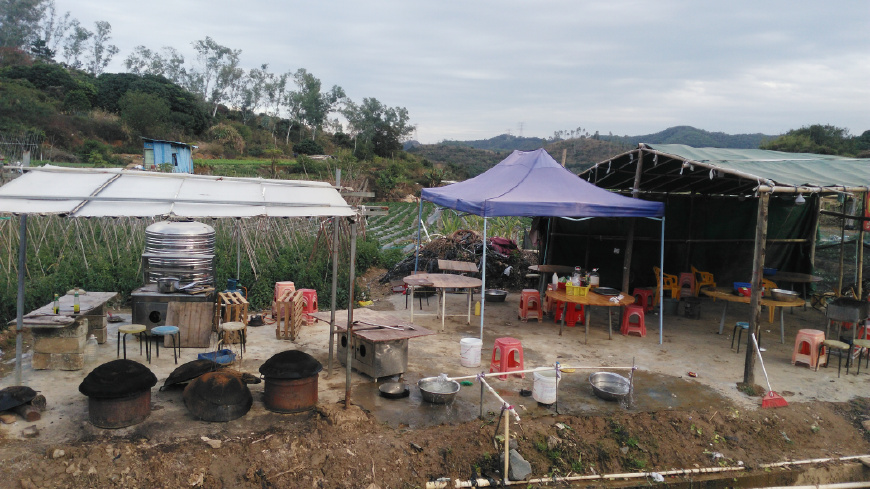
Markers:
(681, 168)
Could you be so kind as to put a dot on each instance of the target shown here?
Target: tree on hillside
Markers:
(100, 52)
(19, 22)
(377, 129)
(309, 104)
(817, 138)
(53, 28)
(218, 70)
(144, 113)
(170, 64)
(74, 45)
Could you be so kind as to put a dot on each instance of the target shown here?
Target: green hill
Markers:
(694, 137)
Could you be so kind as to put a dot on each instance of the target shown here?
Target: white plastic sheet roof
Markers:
(113, 192)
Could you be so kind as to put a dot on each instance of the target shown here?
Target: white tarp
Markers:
(113, 192)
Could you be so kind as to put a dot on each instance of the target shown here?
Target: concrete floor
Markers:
(661, 382)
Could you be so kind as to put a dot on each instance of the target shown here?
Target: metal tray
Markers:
(605, 291)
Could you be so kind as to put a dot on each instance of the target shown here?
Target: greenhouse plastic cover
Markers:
(113, 192)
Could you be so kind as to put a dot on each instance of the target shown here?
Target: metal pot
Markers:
(167, 285)
(784, 295)
(495, 295)
(393, 390)
(438, 391)
(609, 386)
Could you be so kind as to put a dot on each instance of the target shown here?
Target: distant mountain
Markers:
(697, 138)
(503, 142)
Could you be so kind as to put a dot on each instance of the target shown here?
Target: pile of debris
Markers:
(506, 265)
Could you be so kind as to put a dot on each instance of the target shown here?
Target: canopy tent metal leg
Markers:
(483, 279)
(19, 316)
(350, 313)
(334, 290)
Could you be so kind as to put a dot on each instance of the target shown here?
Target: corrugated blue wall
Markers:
(164, 151)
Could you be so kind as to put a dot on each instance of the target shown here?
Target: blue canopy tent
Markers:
(531, 184)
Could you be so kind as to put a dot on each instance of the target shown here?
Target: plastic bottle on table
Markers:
(76, 307)
(55, 308)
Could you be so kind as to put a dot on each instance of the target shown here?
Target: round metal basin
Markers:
(438, 391)
(495, 295)
(609, 386)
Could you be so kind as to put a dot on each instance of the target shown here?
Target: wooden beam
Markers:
(755, 296)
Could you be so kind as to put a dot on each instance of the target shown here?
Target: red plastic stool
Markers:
(806, 347)
(309, 305)
(628, 327)
(644, 297)
(575, 313)
(507, 356)
(530, 301)
(687, 280)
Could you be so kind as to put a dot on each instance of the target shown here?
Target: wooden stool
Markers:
(136, 329)
(232, 307)
(309, 301)
(503, 352)
(629, 311)
(644, 296)
(530, 301)
(806, 347)
(843, 348)
(158, 332)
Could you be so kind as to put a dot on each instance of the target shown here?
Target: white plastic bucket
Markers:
(469, 352)
(544, 390)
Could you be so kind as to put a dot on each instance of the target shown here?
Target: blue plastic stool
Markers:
(744, 326)
(159, 332)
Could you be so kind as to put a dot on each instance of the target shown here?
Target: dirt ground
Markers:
(676, 422)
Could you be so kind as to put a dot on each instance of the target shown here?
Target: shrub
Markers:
(308, 147)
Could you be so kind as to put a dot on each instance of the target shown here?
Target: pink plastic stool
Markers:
(280, 287)
(806, 347)
(530, 301)
(644, 297)
(628, 326)
(309, 305)
(507, 356)
(687, 280)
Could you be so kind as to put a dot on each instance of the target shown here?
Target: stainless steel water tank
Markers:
(180, 249)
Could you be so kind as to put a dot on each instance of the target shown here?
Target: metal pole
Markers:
(350, 312)
(507, 443)
(335, 223)
(483, 280)
(662, 284)
(19, 318)
(238, 250)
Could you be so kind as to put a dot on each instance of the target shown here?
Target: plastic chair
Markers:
(670, 284)
(507, 356)
(806, 347)
(530, 302)
(136, 329)
(644, 297)
(702, 279)
(628, 327)
(771, 310)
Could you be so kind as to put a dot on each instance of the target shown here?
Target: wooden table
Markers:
(590, 299)
(727, 295)
(795, 278)
(376, 351)
(457, 266)
(443, 281)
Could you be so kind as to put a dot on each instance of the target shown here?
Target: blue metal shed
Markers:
(159, 152)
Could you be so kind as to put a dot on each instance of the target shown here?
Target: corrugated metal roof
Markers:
(680, 168)
(113, 192)
(177, 143)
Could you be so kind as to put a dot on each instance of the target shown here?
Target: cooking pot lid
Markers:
(118, 378)
(219, 388)
(290, 364)
(15, 395)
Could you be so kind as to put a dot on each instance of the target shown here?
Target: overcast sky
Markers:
(474, 69)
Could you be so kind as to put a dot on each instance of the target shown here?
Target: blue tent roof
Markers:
(532, 183)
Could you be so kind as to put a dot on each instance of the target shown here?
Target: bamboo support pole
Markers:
(507, 444)
(562, 368)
